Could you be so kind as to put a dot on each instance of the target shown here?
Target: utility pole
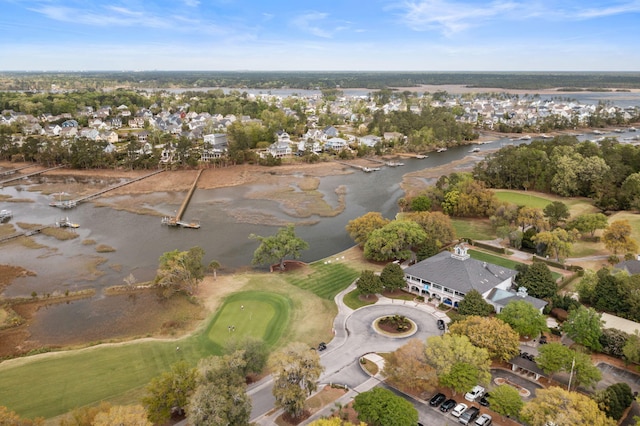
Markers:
(573, 364)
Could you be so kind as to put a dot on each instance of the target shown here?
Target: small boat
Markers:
(66, 223)
(631, 129)
(598, 132)
(441, 149)
(545, 136)
(370, 169)
(5, 215)
(618, 131)
(420, 156)
(476, 149)
(524, 138)
(394, 164)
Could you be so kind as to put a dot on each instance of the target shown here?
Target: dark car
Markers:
(437, 399)
(441, 325)
(484, 401)
(448, 405)
(543, 340)
(322, 346)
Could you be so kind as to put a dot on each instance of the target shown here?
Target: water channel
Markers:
(139, 240)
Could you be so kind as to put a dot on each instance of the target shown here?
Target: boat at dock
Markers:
(476, 149)
(171, 221)
(5, 215)
(64, 222)
(441, 149)
(370, 169)
(393, 163)
(524, 138)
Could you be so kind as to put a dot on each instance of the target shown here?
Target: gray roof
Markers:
(631, 266)
(503, 297)
(460, 274)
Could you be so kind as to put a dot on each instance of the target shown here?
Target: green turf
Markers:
(352, 300)
(326, 280)
(475, 229)
(523, 199)
(57, 383)
(501, 261)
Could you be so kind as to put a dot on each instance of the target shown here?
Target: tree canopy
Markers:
(295, 369)
(537, 279)
(556, 212)
(169, 393)
(407, 368)
(474, 304)
(563, 408)
(277, 247)
(381, 407)
(617, 238)
(506, 400)
(491, 333)
(584, 326)
(394, 241)
(524, 318)
(180, 271)
(392, 277)
(361, 227)
(369, 283)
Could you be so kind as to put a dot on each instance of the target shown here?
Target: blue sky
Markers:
(379, 35)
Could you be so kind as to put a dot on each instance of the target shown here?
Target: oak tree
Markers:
(506, 400)
(474, 304)
(123, 415)
(617, 238)
(407, 368)
(491, 333)
(556, 212)
(369, 283)
(361, 227)
(394, 241)
(381, 407)
(180, 271)
(563, 408)
(169, 393)
(277, 247)
(524, 318)
(584, 326)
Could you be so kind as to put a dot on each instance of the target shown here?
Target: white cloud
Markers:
(609, 10)
(317, 24)
(191, 3)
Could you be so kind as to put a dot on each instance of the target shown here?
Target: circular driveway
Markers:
(362, 339)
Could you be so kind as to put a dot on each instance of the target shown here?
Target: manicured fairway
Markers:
(523, 199)
(501, 261)
(55, 383)
(475, 229)
(326, 280)
(259, 314)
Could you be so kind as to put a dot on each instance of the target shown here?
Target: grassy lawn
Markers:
(352, 300)
(476, 229)
(278, 308)
(577, 206)
(501, 261)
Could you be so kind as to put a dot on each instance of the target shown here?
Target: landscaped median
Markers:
(278, 308)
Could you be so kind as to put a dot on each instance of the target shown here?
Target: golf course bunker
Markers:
(394, 334)
(620, 374)
(262, 315)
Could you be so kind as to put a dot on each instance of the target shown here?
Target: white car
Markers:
(483, 420)
(459, 409)
(476, 392)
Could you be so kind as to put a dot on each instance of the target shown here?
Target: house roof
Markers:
(460, 273)
(503, 297)
(631, 266)
(527, 365)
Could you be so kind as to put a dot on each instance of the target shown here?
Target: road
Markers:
(354, 337)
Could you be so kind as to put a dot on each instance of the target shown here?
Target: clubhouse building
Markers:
(448, 276)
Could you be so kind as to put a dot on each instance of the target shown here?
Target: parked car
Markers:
(448, 405)
(322, 346)
(543, 339)
(441, 324)
(437, 399)
(460, 408)
(469, 415)
(474, 393)
(484, 401)
(483, 420)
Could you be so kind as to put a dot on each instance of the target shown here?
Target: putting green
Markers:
(251, 313)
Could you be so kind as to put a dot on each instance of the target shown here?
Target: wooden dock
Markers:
(73, 203)
(26, 233)
(177, 219)
(12, 171)
(359, 167)
(29, 174)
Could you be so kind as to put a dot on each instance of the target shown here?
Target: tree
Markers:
(276, 247)
(214, 265)
(221, 396)
(369, 283)
(537, 279)
(360, 228)
(123, 415)
(169, 393)
(180, 271)
(295, 370)
(584, 326)
(474, 304)
(556, 212)
(444, 352)
(461, 378)
(557, 242)
(584, 372)
(524, 318)
(589, 222)
(421, 203)
(255, 353)
(615, 399)
(407, 368)
(334, 421)
(394, 241)
(392, 277)
(497, 337)
(530, 216)
(381, 407)
(631, 349)
(613, 342)
(10, 418)
(506, 401)
(437, 226)
(553, 358)
(617, 238)
(563, 408)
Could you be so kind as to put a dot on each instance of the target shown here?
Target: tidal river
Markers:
(139, 240)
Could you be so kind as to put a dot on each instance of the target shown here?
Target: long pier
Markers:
(17, 169)
(73, 203)
(177, 219)
(29, 175)
(26, 233)
(359, 167)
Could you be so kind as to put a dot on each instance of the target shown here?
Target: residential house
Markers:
(449, 276)
(280, 149)
(369, 140)
(335, 144)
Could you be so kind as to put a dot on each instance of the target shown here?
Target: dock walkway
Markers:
(75, 202)
(177, 219)
(29, 174)
(26, 233)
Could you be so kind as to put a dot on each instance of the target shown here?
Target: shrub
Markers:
(560, 314)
